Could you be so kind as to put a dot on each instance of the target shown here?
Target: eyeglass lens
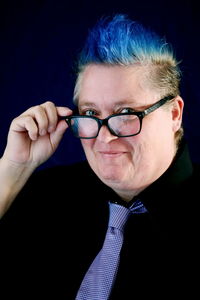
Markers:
(125, 125)
(84, 127)
(122, 125)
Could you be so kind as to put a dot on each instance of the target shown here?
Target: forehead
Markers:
(103, 83)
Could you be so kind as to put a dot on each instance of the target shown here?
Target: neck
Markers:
(127, 196)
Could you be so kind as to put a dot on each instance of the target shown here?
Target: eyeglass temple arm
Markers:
(67, 118)
(157, 104)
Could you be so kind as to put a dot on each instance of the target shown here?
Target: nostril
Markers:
(105, 135)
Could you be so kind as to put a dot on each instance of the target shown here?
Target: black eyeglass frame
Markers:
(101, 122)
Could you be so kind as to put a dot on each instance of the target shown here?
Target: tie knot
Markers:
(119, 214)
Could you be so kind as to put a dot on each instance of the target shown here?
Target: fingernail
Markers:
(51, 128)
(43, 132)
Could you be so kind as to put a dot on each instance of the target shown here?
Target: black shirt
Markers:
(57, 225)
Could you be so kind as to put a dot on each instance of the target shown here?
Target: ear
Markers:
(177, 113)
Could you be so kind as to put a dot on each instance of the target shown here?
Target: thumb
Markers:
(57, 135)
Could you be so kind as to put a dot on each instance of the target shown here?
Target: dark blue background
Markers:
(41, 39)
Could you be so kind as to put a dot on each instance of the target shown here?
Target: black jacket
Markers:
(57, 225)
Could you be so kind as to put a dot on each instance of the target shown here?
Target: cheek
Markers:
(140, 153)
(156, 129)
(88, 147)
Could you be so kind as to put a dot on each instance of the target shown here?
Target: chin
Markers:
(110, 176)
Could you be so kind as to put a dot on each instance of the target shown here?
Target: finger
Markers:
(39, 114)
(52, 115)
(46, 116)
(25, 124)
(62, 124)
(63, 111)
(57, 135)
(61, 127)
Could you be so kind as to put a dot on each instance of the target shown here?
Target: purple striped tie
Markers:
(99, 279)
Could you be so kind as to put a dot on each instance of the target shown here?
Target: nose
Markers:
(105, 136)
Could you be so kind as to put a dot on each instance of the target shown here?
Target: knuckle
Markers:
(28, 119)
(39, 109)
(32, 111)
(49, 103)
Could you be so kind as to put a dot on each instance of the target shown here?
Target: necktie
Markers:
(99, 279)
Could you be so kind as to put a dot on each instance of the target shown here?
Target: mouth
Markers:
(111, 154)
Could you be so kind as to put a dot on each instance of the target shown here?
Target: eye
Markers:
(126, 110)
(89, 112)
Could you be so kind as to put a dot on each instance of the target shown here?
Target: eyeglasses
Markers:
(120, 125)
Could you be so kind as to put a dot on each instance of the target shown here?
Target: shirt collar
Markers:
(179, 171)
(164, 197)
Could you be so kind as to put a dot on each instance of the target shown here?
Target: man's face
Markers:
(127, 164)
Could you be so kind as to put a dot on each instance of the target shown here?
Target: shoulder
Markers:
(61, 181)
(78, 178)
(54, 189)
(62, 174)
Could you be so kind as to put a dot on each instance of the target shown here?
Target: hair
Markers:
(118, 40)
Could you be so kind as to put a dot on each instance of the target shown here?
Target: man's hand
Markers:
(32, 139)
(35, 134)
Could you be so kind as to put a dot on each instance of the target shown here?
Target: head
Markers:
(125, 67)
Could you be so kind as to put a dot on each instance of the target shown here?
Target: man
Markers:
(129, 122)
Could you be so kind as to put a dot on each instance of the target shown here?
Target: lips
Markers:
(111, 153)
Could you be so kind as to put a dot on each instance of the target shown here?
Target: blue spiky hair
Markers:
(118, 40)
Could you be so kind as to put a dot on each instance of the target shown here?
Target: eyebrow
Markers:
(87, 104)
(117, 104)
